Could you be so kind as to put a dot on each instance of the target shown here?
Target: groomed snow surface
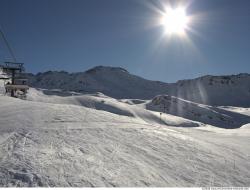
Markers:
(97, 141)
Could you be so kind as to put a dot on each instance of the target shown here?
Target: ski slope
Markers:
(243, 111)
(97, 141)
(216, 116)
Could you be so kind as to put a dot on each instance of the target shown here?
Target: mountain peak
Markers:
(105, 68)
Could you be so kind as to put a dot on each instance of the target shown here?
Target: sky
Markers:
(76, 35)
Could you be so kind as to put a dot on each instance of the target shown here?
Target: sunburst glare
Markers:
(175, 21)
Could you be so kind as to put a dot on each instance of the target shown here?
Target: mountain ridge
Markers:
(116, 82)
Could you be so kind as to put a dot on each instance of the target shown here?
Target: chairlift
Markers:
(13, 72)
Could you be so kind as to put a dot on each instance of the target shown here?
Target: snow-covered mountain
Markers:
(118, 83)
(233, 90)
(113, 82)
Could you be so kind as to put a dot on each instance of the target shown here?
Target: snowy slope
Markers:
(244, 111)
(96, 101)
(197, 112)
(131, 108)
(120, 84)
(150, 110)
(51, 144)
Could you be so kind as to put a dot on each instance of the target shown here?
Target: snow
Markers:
(2, 89)
(59, 141)
(244, 111)
(209, 90)
(99, 79)
(198, 112)
(61, 138)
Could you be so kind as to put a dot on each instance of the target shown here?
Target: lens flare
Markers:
(175, 21)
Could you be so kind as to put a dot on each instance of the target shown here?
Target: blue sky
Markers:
(75, 35)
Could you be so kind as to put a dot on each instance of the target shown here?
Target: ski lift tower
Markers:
(13, 71)
(18, 86)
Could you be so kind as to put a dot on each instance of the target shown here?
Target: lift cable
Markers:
(8, 45)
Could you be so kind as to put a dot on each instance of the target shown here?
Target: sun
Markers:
(175, 21)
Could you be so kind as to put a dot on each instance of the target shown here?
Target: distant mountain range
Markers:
(233, 90)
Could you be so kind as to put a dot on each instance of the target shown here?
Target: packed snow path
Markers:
(46, 144)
